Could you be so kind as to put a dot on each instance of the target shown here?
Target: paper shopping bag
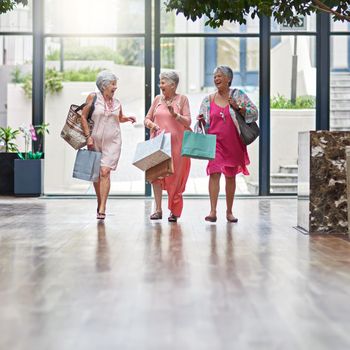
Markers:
(199, 146)
(160, 171)
(153, 151)
(87, 165)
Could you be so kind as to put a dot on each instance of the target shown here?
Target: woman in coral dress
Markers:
(218, 115)
(105, 136)
(170, 112)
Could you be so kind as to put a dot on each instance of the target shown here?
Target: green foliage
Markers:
(238, 10)
(168, 53)
(53, 82)
(30, 155)
(17, 76)
(41, 129)
(302, 102)
(128, 52)
(84, 74)
(9, 5)
(7, 136)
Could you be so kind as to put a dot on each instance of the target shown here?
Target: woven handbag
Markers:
(72, 131)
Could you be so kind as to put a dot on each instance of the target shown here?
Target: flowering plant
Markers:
(31, 134)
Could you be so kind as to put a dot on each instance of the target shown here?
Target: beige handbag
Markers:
(72, 131)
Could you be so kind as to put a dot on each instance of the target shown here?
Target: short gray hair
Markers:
(172, 76)
(225, 70)
(104, 78)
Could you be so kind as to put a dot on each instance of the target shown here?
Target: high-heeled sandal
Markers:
(156, 216)
(101, 216)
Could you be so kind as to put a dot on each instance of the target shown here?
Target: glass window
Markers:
(308, 24)
(293, 91)
(76, 68)
(194, 59)
(88, 16)
(340, 83)
(19, 19)
(172, 23)
(339, 26)
(16, 82)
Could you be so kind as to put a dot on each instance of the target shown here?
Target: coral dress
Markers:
(175, 184)
(106, 132)
(231, 154)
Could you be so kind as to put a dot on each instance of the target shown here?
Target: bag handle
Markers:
(91, 109)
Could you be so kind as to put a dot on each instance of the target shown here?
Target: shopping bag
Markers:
(160, 171)
(199, 146)
(153, 151)
(72, 131)
(87, 165)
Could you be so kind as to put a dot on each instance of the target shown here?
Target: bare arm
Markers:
(84, 123)
(149, 119)
(123, 118)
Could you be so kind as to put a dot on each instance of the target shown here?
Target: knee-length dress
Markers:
(175, 184)
(231, 154)
(106, 131)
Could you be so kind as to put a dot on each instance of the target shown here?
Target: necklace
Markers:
(109, 104)
(168, 101)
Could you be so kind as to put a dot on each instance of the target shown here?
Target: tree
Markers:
(218, 11)
(8, 5)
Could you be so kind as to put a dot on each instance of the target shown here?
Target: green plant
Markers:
(8, 5)
(17, 76)
(53, 82)
(41, 130)
(7, 136)
(84, 74)
(302, 102)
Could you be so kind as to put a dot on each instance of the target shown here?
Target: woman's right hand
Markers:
(201, 120)
(155, 128)
(90, 143)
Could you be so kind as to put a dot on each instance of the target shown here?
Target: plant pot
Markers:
(7, 173)
(28, 177)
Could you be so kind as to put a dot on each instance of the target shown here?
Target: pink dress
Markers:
(231, 154)
(106, 132)
(175, 184)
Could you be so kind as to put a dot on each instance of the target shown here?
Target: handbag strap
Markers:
(91, 109)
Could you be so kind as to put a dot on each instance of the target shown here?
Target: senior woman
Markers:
(170, 112)
(105, 136)
(218, 115)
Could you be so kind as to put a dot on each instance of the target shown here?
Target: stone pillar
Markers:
(322, 189)
(347, 152)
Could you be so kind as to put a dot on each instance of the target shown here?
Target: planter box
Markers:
(28, 177)
(7, 173)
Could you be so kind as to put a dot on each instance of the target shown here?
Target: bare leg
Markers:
(230, 193)
(105, 185)
(98, 194)
(214, 188)
(157, 190)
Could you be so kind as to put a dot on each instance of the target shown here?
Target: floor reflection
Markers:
(102, 249)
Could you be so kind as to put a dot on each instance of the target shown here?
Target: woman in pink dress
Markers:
(105, 136)
(218, 115)
(170, 112)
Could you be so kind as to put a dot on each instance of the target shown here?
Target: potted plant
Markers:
(7, 157)
(28, 173)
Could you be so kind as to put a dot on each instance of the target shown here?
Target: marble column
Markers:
(322, 182)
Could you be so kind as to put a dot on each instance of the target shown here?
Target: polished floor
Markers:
(68, 282)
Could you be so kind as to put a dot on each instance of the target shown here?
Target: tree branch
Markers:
(319, 5)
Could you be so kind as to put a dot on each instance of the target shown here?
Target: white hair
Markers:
(171, 76)
(225, 70)
(104, 78)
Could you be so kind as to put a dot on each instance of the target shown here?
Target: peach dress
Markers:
(158, 113)
(106, 132)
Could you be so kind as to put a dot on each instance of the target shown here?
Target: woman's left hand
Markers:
(233, 104)
(132, 119)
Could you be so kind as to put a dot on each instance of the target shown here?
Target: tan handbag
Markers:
(72, 131)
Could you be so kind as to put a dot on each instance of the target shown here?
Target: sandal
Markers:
(231, 219)
(156, 216)
(101, 216)
(172, 218)
(210, 218)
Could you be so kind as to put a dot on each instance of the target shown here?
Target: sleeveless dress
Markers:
(231, 154)
(106, 132)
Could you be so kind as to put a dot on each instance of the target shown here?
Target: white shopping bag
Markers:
(153, 151)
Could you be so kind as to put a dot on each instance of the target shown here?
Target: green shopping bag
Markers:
(199, 146)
